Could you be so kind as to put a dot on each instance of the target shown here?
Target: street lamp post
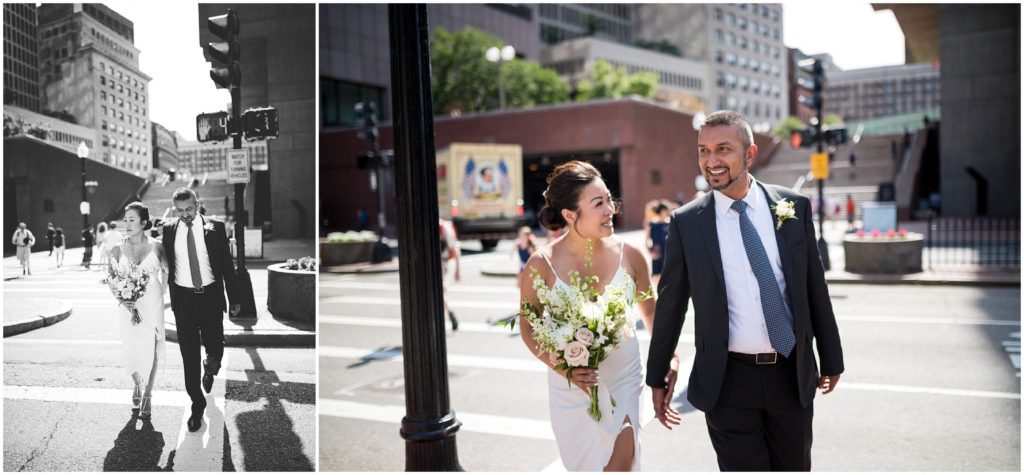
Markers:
(501, 56)
(83, 153)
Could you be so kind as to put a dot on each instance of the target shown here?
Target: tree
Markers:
(661, 46)
(786, 127)
(464, 81)
(609, 82)
(832, 119)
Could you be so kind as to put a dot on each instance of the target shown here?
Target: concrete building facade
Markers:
(198, 159)
(21, 56)
(165, 149)
(59, 133)
(567, 21)
(278, 61)
(882, 91)
(89, 67)
(741, 45)
(682, 82)
(978, 47)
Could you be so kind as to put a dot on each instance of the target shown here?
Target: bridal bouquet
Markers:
(128, 285)
(577, 327)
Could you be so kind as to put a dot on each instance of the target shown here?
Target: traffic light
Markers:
(226, 72)
(836, 136)
(815, 84)
(803, 138)
(212, 127)
(369, 134)
(260, 124)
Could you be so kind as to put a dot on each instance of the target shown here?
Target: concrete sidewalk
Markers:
(26, 314)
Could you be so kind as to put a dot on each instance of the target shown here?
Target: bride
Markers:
(142, 344)
(577, 199)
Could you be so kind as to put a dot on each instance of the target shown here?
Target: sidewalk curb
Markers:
(261, 338)
(34, 323)
(498, 273)
(362, 268)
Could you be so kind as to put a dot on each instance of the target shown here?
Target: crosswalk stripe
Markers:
(464, 304)
(92, 395)
(928, 390)
(471, 422)
(355, 285)
(203, 450)
(485, 362)
(468, 327)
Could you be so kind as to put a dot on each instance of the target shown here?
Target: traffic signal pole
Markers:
(819, 85)
(429, 425)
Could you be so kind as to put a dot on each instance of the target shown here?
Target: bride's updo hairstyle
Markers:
(565, 184)
(143, 212)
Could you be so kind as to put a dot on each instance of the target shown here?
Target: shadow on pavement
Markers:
(136, 450)
(267, 437)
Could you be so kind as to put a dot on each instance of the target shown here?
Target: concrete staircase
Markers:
(874, 165)
(211, 195)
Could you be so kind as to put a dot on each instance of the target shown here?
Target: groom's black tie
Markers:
(193, 259)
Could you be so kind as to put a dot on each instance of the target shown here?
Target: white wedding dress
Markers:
(584, 444)
(142, 342)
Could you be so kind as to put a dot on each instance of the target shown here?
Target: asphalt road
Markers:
(932, 381)
(67, 399)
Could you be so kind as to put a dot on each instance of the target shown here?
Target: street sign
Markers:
(238, 166)
(819, 166)
(260, 123)
(212, 127)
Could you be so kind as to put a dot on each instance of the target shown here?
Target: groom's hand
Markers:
(828, 383)
(662, 411)
(235, 308)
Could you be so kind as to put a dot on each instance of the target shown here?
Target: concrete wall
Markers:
(278, 62)
(980, 54)
(35, 172)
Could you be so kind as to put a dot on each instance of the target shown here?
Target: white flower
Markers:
(563, 335)
(126, 294)
(592, 311)
(783, 210)
(576, 354)
(585, 336)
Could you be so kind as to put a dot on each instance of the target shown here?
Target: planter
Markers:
(884, 256)
(291, 294)
(341, 253)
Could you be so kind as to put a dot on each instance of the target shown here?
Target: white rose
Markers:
(576, 354)
(585, 336)
(783, 208)
(791, 213)
(125, 293)
(563, 336)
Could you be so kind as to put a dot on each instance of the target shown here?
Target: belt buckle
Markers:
(759, 360)
(199, 290)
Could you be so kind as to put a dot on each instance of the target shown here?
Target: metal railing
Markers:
(992, 243)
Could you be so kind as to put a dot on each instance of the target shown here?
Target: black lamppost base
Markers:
(430, 444)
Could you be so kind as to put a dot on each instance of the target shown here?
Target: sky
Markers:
(167, 36)
(852, 32)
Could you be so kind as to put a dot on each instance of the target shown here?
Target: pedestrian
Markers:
(101, 243)
(526, 245)
(24, 239)
(58, 245)
(853, 159)
(851, 211)
(760, 301)
(113, 237)
(657, 232)
(449, 251)
(50, 232)
(88, 239)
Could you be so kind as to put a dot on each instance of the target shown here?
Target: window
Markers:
(720, 79)
(732, 39)
(103, 94)
(719, 36)
(718, 56)
(730, 58)
(742, 22)
(718, 14)
(730, 19)
(743, 62)
(338, 99)
(103, 125)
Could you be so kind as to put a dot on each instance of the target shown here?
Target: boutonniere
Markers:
(207, 227)
(783, 210)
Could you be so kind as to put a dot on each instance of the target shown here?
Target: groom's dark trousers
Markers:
(200, 322)
(758, 416)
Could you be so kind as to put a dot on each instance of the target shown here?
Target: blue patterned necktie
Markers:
(776, 317)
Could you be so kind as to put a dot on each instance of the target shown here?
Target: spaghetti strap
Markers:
(622, 248)
(549, 263)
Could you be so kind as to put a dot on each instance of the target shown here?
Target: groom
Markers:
(759, 299)
(201, 270)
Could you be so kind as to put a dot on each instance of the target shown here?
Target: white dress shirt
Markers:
(182, 270)
(748, 332)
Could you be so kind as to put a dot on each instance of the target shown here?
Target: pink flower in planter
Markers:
(890, 233)
(860, 233)
(875, 233)
(903, 232)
